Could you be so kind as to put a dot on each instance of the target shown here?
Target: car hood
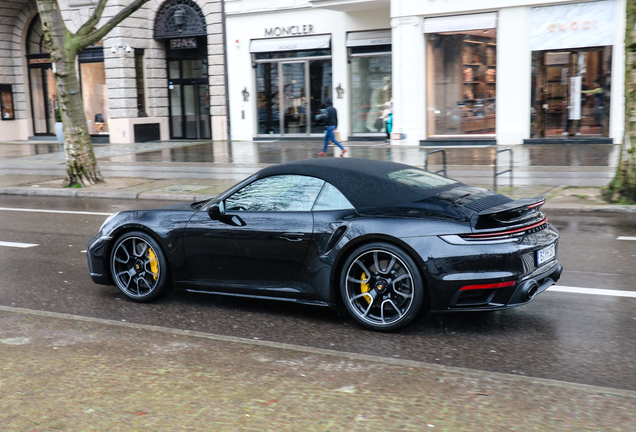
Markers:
(179, 206)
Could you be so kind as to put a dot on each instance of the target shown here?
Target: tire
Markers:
(138, 267)
(381, 287)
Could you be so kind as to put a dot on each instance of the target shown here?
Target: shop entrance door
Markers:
(294, 98)
(290, 95)
(44, 99)
(189, 111)
(189, 97)
(570, 93)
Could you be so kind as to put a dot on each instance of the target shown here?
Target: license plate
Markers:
(546, 254)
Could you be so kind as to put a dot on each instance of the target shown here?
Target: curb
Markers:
(166, 196)
(80, 193)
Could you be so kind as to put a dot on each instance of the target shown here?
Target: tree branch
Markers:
(98, 34)
(93, 20)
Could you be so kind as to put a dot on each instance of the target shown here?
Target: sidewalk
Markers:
(62, 372)
(570, 176)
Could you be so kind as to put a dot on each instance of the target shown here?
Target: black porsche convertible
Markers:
(387, 241)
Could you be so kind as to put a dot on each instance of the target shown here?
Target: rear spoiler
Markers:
(528, 203)
(512, 215)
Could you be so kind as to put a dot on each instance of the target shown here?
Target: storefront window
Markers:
(461, 82)
(571, 92)
(268, 108)
(6, 102)
(370, 92)
(139, 81)
(291, 93)
(95, 97)
(321, 88)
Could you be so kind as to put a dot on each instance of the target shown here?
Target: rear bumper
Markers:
(520, 294)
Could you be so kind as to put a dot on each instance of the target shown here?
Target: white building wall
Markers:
(514, 64)
(514, 70)
(247, 26)
(617, 102)
(409, 73)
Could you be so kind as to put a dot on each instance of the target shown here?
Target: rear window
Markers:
(420, 178)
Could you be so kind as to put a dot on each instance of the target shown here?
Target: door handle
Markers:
(292, 236)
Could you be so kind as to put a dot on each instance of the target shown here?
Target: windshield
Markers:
(420, 178)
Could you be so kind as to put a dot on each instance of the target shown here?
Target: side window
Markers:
(331, 199)
(276, 193)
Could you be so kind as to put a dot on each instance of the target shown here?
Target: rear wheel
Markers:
(381, 287)
(138, 267)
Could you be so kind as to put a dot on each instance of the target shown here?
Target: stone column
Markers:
(409, 95)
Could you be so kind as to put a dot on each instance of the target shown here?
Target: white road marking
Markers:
(595, 291)
(17, 245)
(625, 238)
(55, 211)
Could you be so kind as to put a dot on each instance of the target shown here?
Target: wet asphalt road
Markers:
(577, 338)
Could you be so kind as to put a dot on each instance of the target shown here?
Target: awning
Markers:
(369, 38)
(461, 23)
(290, 43)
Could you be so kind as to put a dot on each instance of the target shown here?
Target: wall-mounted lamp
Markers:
(179, 19)
(125, 47)
(340, 91)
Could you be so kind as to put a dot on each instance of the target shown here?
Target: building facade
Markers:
(493, 71)
(158, 75)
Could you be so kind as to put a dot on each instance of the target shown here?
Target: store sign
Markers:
(295, 30)
(183, 43)
(573, 26)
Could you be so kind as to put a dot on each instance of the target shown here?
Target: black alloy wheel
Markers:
(381, 287)
(138, 267)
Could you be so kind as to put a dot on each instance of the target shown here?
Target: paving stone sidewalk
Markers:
(61, 372)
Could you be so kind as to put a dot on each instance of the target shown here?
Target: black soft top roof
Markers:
(362, 181)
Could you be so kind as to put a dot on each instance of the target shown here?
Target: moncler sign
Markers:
(294, 30)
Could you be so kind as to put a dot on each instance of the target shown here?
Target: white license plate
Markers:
(546, 254)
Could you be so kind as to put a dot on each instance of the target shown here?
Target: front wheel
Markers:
(138, 267)
(381, 287)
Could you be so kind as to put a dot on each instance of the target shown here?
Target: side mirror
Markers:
(215, 211)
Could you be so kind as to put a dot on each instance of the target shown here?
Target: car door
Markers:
(260, 240)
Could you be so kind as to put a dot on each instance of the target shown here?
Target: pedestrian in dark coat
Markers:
(331, 123)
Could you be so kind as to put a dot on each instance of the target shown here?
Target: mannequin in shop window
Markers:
(99, 122)
(597, 92)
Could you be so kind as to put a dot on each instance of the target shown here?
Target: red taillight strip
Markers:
(487, 286)
(503, 233)
(540, 203)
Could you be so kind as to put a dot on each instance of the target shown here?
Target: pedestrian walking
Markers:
(331, 123)
(387, 117)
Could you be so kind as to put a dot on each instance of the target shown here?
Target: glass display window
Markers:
(571, 92)
(461, 82)
(95, 97)
(371, 89)
(6, 102)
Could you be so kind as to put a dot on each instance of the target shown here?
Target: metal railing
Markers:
(496, 173)
(443, 170)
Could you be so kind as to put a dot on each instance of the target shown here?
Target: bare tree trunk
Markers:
(623, 187)
(81, 165)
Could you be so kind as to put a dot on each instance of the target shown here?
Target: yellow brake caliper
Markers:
(154, 265)
(364, 287)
